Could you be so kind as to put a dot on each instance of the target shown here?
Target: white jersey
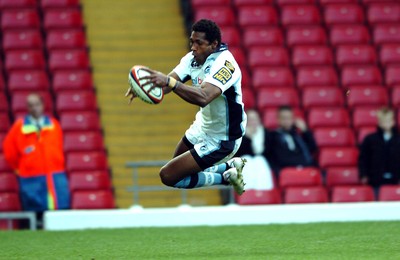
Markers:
(224, 118)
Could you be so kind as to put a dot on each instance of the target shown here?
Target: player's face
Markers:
(286, 119)
(200, 47)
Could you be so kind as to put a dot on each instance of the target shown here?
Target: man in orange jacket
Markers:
(34, 149)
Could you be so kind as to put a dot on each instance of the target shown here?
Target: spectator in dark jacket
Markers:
(292, 144)
(379, 161)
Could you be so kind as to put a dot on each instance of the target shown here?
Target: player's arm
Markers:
(198, 96)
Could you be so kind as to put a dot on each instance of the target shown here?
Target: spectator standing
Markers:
(34, 149)
(292, 144)
(379, 160)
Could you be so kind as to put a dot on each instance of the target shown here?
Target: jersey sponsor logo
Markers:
(223, 75)
(197, 81)
(229, 66)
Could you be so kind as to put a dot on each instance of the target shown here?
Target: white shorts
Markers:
(209, 151)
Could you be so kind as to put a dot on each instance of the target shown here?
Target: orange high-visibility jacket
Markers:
(31, 152)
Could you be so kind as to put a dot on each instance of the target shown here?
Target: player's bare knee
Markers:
(166, 177)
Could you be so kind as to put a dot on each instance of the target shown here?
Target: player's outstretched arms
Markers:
(197, 96)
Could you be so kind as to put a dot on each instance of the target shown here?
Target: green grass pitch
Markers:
(358, 240)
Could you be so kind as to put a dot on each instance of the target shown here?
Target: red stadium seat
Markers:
(323, 96)
(18, 101)
(338, 156)
(386, 33)
(256, 36)
(389, 193)
(268, 56)
(83, 141)
(29, 80)
(326, 2)
(270, 116)
(293, 177)
(312, 55)
(278, 96)
(300, 14)
(222, 15)
(349, 34)
(240, 3)
(8, 183)
(4, 167)
(292, 2)
(86, 161)
(231, 36)
(9, 201)
(7, 4)
(97, 180)
(383, 13)
(260, 197)
(80, 121)
(76, 100)
(328, 117)
(248, 99)
(304, 35)
(20, 19)
(5, 123)
(343, 14)
(2, 136)
(367, 96)
(245, 78)
(68, 59)
(355, 54)
(352, 194)
(316, 76)
(59, 3)
(334, 136)
(2, 84)
(366, 2)
(72, 79)
(202, 3)
(364, 116)
(361, 75)
(262, 15)
(392, 75)
(3, 103)
(395, 97)
(341, 176)
(363, 131)
(240, 58)
(102, 199)
(62, 19)
(26, 39)
(272, 77)
(25, 59)
(65, 39)
(389, 54)
(306, 195)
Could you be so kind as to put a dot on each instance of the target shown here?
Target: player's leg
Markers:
(182, 147)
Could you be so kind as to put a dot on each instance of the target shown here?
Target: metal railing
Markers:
(136, 188)
(9, 216)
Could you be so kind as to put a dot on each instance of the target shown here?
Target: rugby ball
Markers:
(148, 93)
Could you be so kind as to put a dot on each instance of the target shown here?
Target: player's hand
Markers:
(300, 124)
(130, 94)
(157, 79)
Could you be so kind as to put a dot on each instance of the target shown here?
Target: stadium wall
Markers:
(221, 215)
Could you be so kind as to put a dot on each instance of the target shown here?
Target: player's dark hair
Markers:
(285, 108)
(210, 28)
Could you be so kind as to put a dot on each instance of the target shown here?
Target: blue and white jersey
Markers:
(224, 118)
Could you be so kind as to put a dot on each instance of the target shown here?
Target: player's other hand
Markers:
(130, 94)
(157, 79)
(300, 124)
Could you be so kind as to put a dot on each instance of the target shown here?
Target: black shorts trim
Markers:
(208, 160)
(187, 142)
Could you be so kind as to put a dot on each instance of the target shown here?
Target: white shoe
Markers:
(235, 179)
(238, 163)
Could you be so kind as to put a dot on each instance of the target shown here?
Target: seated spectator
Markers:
(379, 160)
(257, 174)
(34, 149)
(292, 144)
